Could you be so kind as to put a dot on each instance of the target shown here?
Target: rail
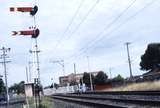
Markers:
(120, 99)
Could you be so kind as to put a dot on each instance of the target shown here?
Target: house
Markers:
(64, 80)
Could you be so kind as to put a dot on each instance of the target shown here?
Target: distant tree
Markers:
(51, 86)
(86, 78)
(2, 86)
(80, 81)
(151, 58)
(119, 78)
(73, 82)
(18, 88)
(56, 85)
(101, 78)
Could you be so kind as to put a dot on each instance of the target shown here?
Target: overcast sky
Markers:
(71, 30)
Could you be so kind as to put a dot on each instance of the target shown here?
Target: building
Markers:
(64, 80)
(29, 89)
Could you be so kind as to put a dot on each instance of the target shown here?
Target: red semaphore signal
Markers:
(34, 33)
(31, 10)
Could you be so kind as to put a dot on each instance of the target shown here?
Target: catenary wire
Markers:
(110, 24)
(69, 25)
(83, 20)
(83, 50)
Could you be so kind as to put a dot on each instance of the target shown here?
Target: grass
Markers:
(45, 103)
(145, 86)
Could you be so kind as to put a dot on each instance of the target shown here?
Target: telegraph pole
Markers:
(90, 74)
(4, 56)
(129, 60)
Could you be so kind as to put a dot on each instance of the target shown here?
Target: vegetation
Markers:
(119, 78)
(151, 59)
(73, 82)
(45, 103)
(86, 79)
(138, 87)
(2, 86)
(100, 78)
(17, 88)
(55, 85)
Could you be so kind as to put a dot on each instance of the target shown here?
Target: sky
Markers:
(83, 32)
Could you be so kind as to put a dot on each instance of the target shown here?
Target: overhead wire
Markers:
(98, 40)
(84, 49)
(83, 20)
(70, 23)
(110, 24)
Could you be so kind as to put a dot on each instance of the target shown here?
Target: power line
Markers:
(109, 25)
(83, 20)
(84, 49)
(70, 23)
(98, 40)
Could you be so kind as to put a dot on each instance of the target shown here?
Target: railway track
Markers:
(130, 99)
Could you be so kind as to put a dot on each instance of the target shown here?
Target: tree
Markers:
(51, 86)
(119, 78)
(56, 85)
(80, 81)
(2, 86)
(73, 82)
(101, 78)
(150, 60)
(86, 79)
(18, 88)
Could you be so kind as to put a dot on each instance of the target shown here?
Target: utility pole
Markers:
(4, 56)
(129, 60)
(90, 74)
